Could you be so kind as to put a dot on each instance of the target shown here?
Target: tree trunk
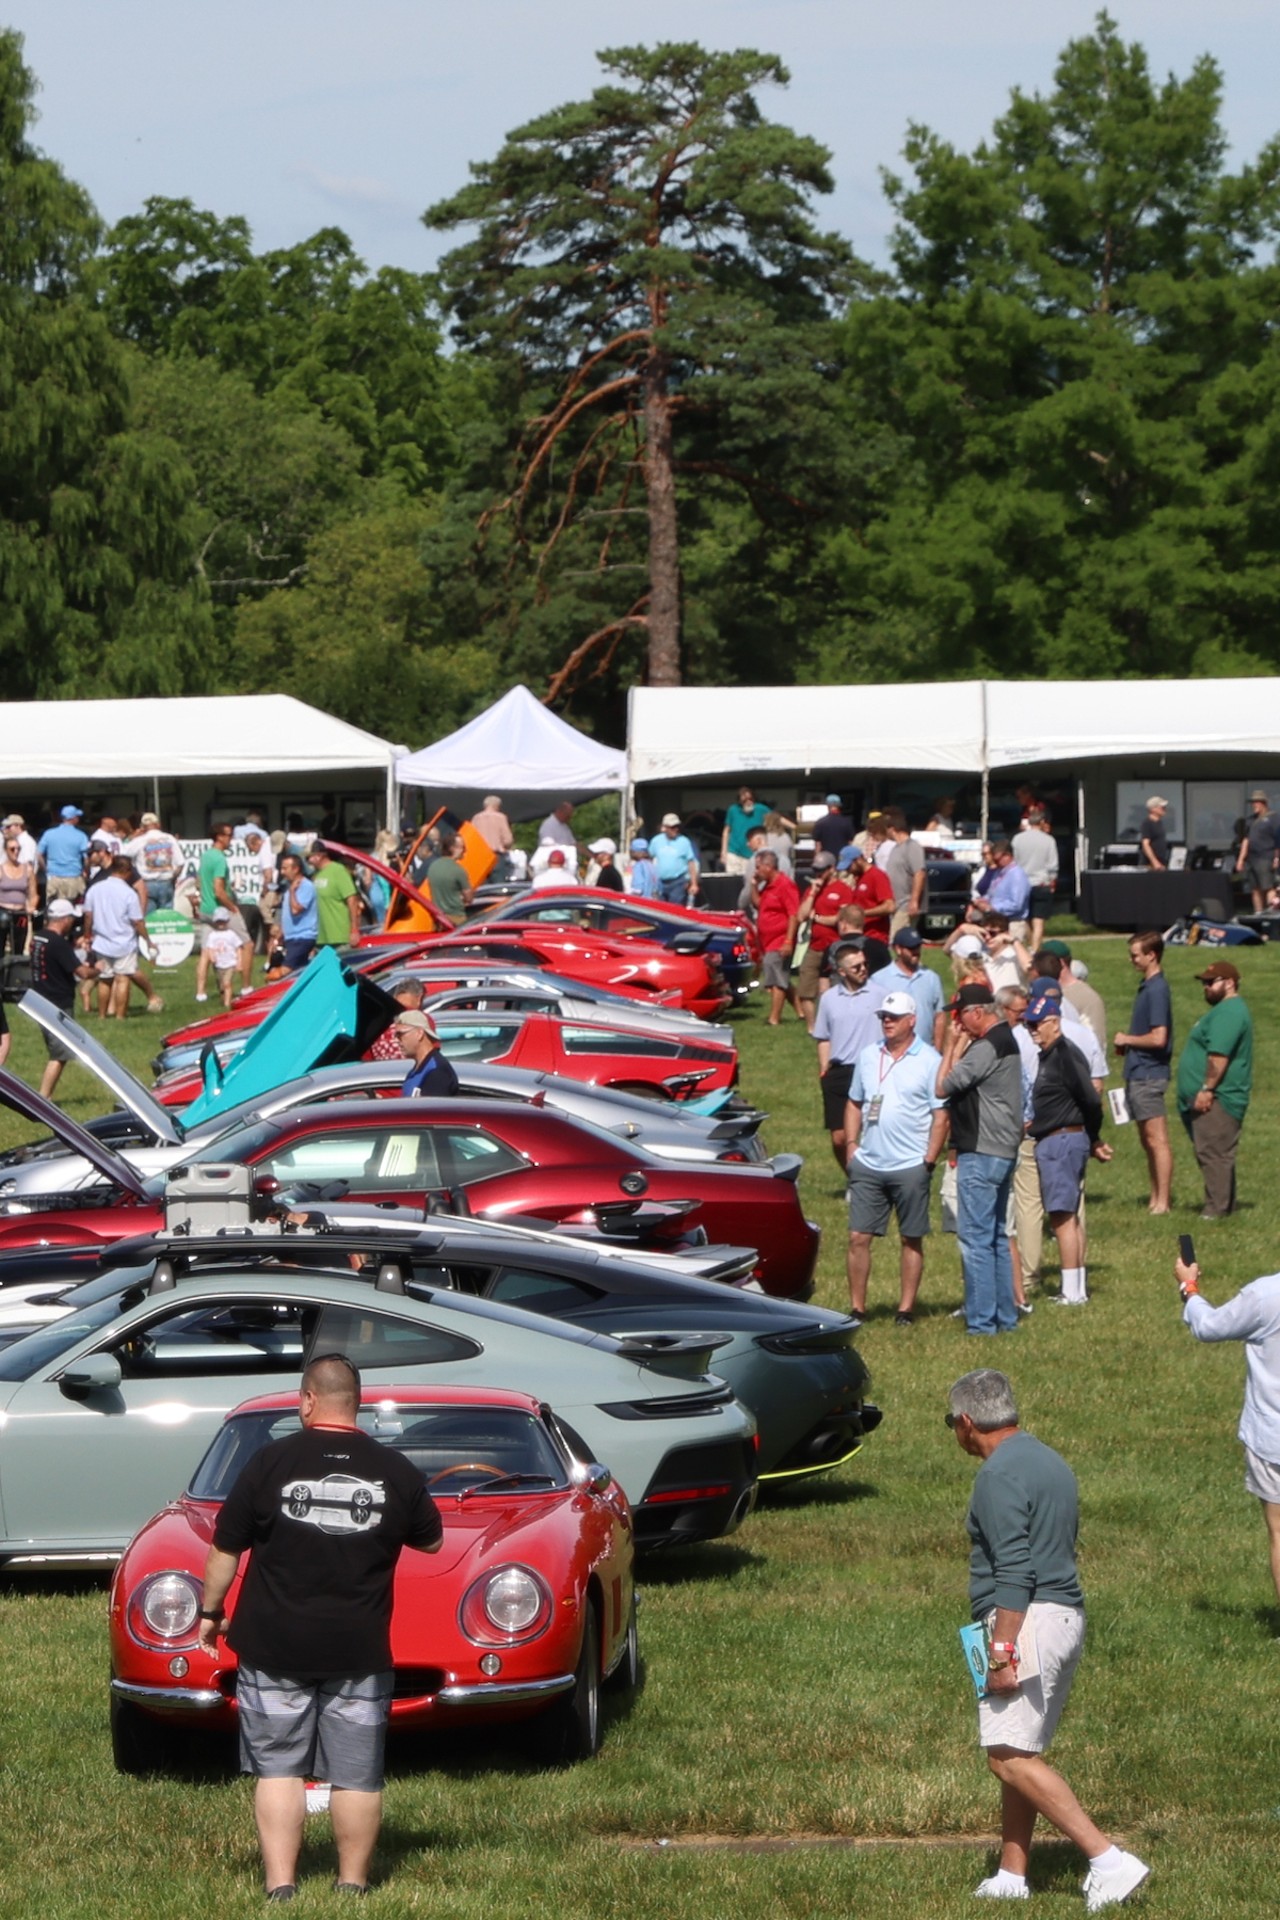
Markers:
(664, 536)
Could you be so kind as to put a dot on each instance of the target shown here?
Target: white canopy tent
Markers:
(682, 733)
(519, 750)
(80, 747)
(1100, 732)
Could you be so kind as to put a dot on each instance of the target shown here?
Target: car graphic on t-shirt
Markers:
(340, 1503)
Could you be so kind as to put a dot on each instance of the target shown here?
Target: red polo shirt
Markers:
(778, 901)
(836, 894)
(873, 890)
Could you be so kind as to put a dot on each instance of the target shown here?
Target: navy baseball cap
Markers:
(906, 937)
(1045, 1003)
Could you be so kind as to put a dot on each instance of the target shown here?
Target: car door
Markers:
(89, 1467)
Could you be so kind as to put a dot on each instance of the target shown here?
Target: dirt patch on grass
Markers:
(798, 1842)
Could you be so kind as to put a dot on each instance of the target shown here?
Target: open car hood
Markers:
(328, 1017)
(119, 1082)
(25, 1100)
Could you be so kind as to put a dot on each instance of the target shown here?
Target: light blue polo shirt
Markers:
(905, 1088)
(925, 989)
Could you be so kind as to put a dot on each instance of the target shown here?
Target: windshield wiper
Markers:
(508, 1480)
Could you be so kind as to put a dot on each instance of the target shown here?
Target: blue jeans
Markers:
(676, 891)
(983, 1181)
(159, 894)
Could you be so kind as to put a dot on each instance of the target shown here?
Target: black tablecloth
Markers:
(1133, 899)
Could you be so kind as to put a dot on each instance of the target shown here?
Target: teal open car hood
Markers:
(327, 1017)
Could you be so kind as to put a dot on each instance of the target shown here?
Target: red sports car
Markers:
(526, 1611)
(487, 1158)
(650, 976)
(730, 936)
(598, 959)
(678, 1065)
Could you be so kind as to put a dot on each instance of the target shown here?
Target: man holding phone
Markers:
(1254, 1317)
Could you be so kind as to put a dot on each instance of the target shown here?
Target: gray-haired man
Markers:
(1022, 1522)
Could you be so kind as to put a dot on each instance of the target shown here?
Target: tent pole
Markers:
(985, 767)
(155, 793)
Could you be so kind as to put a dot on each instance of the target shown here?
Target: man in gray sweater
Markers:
(981, 1076)
(1023, 1584)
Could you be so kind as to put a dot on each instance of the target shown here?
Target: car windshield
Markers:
(47, 1345)
(457, 1449)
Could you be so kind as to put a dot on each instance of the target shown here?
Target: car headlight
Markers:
(165, 1607)
(505, 1605)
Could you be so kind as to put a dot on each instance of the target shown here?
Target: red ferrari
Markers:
(526, 1611)
(485, 1157)
(665, 1066)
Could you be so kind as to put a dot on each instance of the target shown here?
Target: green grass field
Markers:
(804, 1740)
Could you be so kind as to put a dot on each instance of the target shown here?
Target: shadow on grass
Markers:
(53, 1583)
(821, 1491)
(1266, 1619)
(712, 1560)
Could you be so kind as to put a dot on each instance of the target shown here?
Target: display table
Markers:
(1134, 898)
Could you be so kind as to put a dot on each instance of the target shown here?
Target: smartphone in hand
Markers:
(1186, 1250)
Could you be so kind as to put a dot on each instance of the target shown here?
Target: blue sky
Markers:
(307, 113)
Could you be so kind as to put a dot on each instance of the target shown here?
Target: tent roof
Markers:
(519, 749)
(683, 733)
(92, 742)
(1065, 720)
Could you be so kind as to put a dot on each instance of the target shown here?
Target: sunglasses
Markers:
(950, 1420)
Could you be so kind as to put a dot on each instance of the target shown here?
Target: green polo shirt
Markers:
(1225, 1029)
(334, 887)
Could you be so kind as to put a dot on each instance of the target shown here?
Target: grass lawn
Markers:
(803, 1680)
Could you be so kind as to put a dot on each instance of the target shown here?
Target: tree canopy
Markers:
(1076, 362)
(647, 272)
(650, 420)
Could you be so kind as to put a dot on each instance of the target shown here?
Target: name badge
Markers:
(871, 1116)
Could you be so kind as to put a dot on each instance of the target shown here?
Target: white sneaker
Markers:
(998, 1887)
(202, 997)
(1108, 1889)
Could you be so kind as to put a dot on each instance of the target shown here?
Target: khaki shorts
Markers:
(809, 973)
(120, 966)
(69, 889)
(1028, 1719)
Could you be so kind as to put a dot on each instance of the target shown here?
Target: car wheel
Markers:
(570, 1730)
(138, 1744)
(625, 1677)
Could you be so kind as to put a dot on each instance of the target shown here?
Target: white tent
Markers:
(1031, 722)
(520, 750)
(91, 745)
(682, 733)
(965, 726)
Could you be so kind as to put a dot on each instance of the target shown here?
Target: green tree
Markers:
(1077, 364)
(655, 300)
(97, 592)
(363, 637)
(306, 322)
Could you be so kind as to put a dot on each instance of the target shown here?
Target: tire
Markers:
(570, 1730)
(138, 1744)
(625, 1677)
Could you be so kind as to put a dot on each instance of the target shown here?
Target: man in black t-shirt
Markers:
(323, 1515)
(55, 968)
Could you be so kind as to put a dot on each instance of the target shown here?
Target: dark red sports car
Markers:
(487, 1158)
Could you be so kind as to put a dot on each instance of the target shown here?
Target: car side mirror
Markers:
(94, 1373)
(591, 1477)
